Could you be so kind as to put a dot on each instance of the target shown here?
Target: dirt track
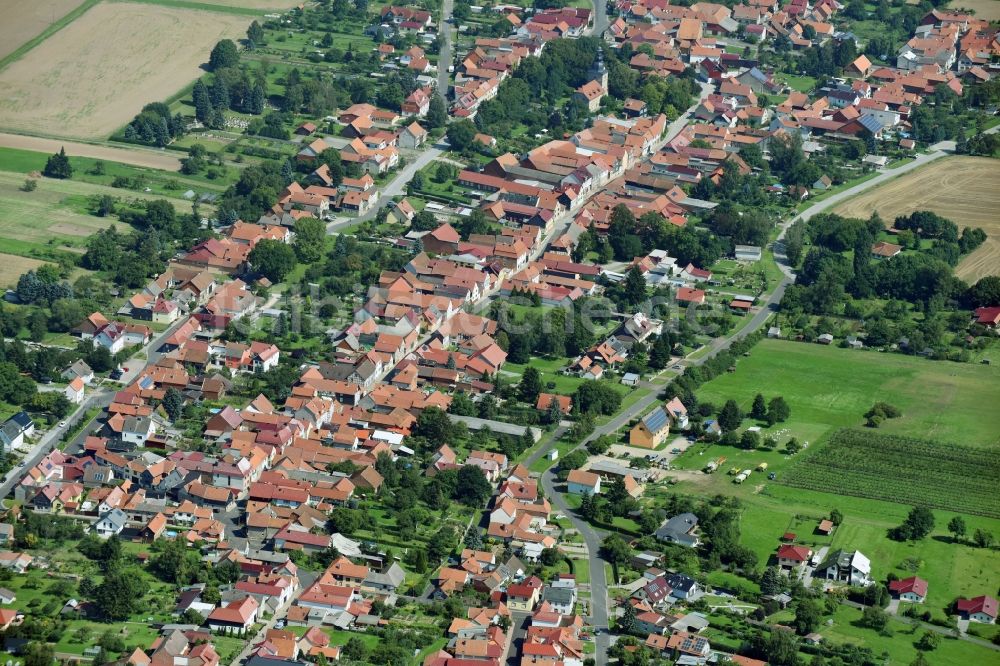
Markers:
(258, 4)
(965, 190)
(137, 156)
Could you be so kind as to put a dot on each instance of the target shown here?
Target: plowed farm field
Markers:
(965, 190)
(94, 75)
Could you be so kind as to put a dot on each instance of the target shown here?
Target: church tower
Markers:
(598, 72)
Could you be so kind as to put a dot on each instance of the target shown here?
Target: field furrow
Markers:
(874, 465)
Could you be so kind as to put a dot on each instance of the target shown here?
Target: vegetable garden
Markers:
(902, 469)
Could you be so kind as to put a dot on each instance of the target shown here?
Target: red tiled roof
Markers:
(797, 553)
(913, 584)
(984, 604)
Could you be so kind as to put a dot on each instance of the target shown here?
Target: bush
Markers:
(879, 412)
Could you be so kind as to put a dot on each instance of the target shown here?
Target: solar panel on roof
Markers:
(655, 420)
(871, 123)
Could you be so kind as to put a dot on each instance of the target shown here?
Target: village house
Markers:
(912, 589)
(111, 523)
(580, 482)
(981, 609)
(793, 557)
(680, 529)
(15, 430)
(235, 617)
(522, 597)
(683, 586)
(845, 566)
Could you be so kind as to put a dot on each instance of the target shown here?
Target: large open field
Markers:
(829, 388)
(965, 190)
(48, 212)
(52, 220)
(24, 20)
(90, 78)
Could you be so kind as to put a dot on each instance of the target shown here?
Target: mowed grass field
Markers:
(137, 155)
(829, 388)
(965, 190)
(25, 20)
(94, 75)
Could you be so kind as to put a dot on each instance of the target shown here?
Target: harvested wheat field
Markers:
(93, 76)
(25, 20)
(984, 9)
(12, 266)
(965, 190)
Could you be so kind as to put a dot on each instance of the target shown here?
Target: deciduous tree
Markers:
(957, 528)
(310, 239)
(273, 259)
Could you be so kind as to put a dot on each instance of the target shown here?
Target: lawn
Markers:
(553, 380)
(898, 647)
(801, 83)
(828, 388)
(953, 570)
(562, 446)
(581, 569)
